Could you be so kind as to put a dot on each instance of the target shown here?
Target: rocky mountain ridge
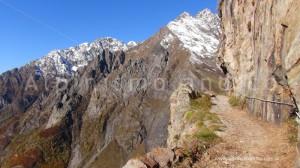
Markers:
(68, 61)
(117, 104)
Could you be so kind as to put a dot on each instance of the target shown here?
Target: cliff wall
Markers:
(260, 54)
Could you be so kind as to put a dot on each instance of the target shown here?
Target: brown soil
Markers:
(248, 142)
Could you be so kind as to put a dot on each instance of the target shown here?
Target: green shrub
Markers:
(202, 103)
(199, 109)
(205, 134)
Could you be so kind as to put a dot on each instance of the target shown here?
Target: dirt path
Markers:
(248, 142)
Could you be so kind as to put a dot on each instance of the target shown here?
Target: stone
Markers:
(135, 163)
(179, 153)
(149, 162)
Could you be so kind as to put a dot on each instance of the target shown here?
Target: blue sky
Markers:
(30, 29)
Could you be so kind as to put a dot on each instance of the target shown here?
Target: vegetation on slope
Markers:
(207, 124)
(45, 149)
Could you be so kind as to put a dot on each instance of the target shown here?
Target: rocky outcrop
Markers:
(259, 54)
(179, 127)
(179, 105)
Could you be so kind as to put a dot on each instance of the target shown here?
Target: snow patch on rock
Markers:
(167, 40)
(131, 44)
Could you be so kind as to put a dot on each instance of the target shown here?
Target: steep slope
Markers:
(118, 105)
(24, 92)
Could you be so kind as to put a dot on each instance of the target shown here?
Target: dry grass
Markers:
(236, 101)
(292, 129)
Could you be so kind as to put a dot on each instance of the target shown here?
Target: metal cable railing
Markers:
(276, 102)
(270, 101)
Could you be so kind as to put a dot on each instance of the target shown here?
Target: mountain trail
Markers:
(248, 142)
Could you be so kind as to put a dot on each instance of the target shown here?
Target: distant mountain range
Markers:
(198, 34)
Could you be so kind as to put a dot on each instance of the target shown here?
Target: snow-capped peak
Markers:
(183, 15)
(131, 44)
(199, 34)
(68, 61)
(110, 43)
(205, 13)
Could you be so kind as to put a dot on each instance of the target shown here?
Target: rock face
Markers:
(259, 53)
(117, 104)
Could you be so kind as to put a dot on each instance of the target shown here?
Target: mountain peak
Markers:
(131, 44)
(204, 13)
(199, 34)
(184, 15)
